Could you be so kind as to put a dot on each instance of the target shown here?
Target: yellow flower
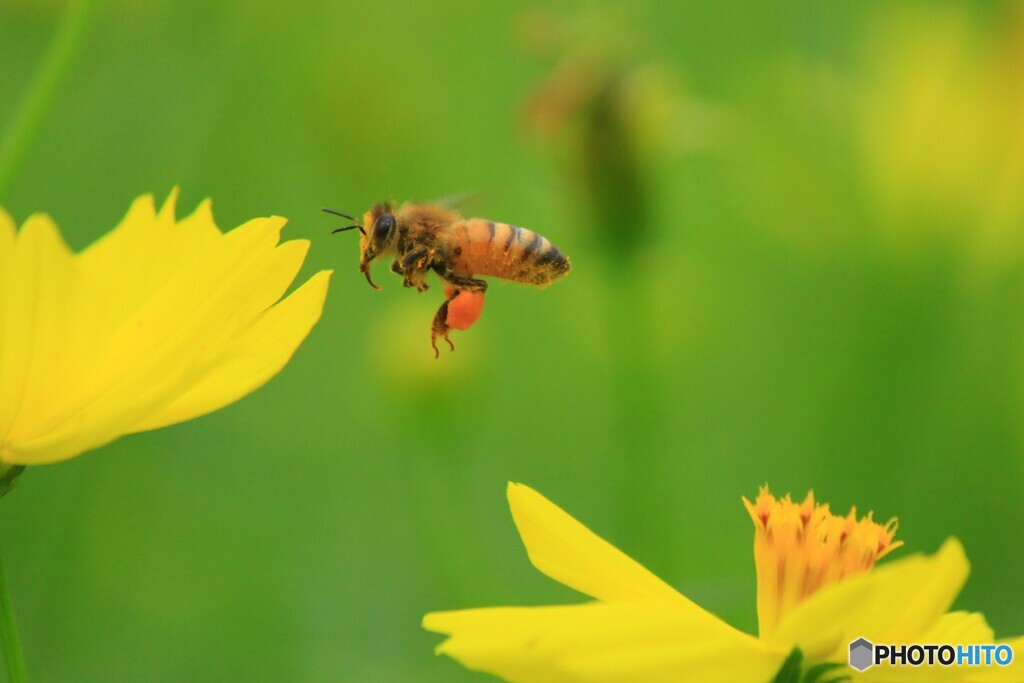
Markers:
(816, 592)
(158, 322)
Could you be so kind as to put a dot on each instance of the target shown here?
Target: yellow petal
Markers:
(157, 322)
(607, 643)
(13, 313)
(571, 554)
(894, 603)
(7, 230)
(164, 347)
(254, 357)
(37, 278)
(145, 251)
(106, 418)
(959, 627)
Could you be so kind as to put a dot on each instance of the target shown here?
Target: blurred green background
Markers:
(797, 234)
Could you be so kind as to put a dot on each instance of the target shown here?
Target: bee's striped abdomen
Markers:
(506, 251)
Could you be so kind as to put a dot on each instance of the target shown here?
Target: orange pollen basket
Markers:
(800, 548)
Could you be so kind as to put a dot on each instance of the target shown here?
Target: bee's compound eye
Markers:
(383, 227)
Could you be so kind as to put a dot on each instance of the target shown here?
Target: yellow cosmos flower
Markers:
(160, 321)
(817, 592)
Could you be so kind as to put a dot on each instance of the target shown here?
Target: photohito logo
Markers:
(864, 654)
(861, 654)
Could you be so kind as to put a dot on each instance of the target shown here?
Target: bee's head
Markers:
(379, 233)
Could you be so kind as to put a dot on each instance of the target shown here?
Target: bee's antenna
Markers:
(338, 213)
(344, 215)
(348, 227)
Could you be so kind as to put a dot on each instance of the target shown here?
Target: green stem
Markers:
(29, 117)
(9, 639)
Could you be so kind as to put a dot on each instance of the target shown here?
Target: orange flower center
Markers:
(800, 548)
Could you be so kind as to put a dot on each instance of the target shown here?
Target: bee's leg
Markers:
(410, 279)
(463, 281)
(439, 328)
(416, 257)
(413, 266)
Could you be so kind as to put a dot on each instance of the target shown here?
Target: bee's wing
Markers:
(458, 200)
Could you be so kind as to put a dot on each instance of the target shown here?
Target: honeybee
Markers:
(424, 237)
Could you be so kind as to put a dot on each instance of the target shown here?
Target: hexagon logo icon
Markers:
(862, 654)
